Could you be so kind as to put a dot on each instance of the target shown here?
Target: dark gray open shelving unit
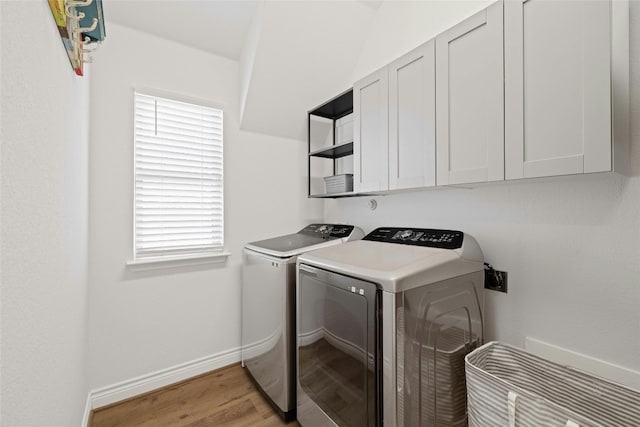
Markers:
(334, 151)
(334, 109)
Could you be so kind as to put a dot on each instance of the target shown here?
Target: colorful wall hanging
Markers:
(81, 28)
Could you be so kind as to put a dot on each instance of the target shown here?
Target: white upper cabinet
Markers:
(521, 89)
(370, 133)
(557, 87)
(469, 100)
(412, 114)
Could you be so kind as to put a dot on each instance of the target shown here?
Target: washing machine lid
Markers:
(313, 236)
(395, 260)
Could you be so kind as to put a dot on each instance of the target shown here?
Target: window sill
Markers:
(153, 263)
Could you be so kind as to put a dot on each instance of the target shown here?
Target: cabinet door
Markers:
(370, 133)
(557, 87)
(469, 100)
(412, 115)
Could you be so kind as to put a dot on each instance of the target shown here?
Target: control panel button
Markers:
(445, 239)
(404, 235)
(327, 231)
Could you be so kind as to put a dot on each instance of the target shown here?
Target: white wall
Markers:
(141, 322)
(400, 26)
(302, 52)
(571, 245)
(44, 230)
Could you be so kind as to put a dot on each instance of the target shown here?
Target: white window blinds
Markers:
(178, 178)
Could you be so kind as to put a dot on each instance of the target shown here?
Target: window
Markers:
(178, 206)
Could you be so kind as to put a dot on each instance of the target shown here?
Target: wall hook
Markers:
(81, 27)
(89, 45)
(93, 26)
(75, 3)
(70, 15)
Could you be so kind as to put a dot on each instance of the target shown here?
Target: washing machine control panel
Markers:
(328, 231)
(444, 239)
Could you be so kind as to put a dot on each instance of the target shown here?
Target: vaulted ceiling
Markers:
(293, 55)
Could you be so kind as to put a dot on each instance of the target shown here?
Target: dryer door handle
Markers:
(308, 269)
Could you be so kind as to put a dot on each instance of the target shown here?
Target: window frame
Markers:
(195, 257)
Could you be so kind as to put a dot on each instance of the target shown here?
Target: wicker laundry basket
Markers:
(507, 386)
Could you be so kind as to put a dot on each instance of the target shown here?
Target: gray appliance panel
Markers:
(338, 381)
(268, 325)
(423, 336)
(436, 327)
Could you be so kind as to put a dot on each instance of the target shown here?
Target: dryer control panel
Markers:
(327, 231)
(443, 239)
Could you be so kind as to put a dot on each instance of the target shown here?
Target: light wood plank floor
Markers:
(225, 397)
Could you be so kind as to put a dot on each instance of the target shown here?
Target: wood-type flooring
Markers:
(224, 398)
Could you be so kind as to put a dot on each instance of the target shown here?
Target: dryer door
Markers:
(337, 363)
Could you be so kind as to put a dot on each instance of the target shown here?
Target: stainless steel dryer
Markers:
(383, 326)
(268, 308)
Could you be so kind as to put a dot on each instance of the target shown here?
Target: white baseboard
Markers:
(87, 411)
(123, 390)
(601, 368)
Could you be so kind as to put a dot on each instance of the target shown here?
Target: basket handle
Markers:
(512, 401)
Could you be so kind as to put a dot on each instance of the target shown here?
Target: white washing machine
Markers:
(268, 308)
(384, 324)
